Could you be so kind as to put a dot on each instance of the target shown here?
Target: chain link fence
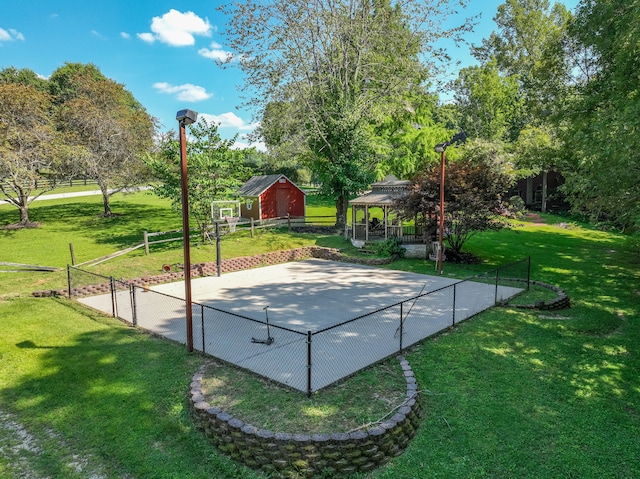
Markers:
(304, 360)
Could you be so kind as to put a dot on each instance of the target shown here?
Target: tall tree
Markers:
(489, 103)
(340, 67)
(215, 170)
(63, 81)
(529, 43)
(108, 126)
(24, 76)
(28, 145)
(603, 135)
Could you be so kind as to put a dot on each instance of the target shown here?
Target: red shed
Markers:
(271, 196)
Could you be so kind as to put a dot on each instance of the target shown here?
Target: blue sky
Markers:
(161, 50)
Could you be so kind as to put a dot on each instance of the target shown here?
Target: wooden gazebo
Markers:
(366, 225)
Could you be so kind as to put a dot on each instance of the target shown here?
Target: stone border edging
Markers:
(309, 455)
(226, 266)
(561, 301)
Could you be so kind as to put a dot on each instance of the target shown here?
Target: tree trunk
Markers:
(23, 206)
(529, 195)
(24, 214)
(544, 191)
(105, 201)
(342, 204)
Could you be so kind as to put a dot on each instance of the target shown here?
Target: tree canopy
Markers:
(334, 71)
(215, 170)
(603, 136)
(110, 130)
(76, 123)
(29, 144)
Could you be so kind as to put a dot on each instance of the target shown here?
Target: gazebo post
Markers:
(386, 220)
(353, 222)
(366, 222)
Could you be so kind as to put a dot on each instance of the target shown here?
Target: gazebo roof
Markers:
(383, 193)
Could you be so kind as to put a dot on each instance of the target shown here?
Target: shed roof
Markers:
(256, 185)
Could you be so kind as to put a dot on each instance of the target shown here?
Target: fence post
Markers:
(73, 254)
(401, 321)
(146, 242)
(132, 295)
(308, 363)
(113, 296)
(202, 326)
(454, 304)
(69, 280)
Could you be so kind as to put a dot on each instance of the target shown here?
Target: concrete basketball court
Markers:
(306, 296)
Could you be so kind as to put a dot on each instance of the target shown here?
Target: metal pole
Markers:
(218, 260)
(202, 325)
(309, 363)
(185, 236)
(134, 312)
(114, 304)
(441, 222)
(454, 305)
(528, 272)
(401, 321)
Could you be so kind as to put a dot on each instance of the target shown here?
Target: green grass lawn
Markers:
(507, 394)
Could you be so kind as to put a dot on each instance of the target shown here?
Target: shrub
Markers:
(390, 248)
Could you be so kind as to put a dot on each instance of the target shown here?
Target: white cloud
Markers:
(146, 37)
(10, 35)
(216, 53)
(125, 35)
(229, 120)
(177, 29)
(241, 145)
(234, 122)
(186, 92)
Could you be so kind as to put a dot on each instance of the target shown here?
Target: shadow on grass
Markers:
(122, 230)
(118, 393)
(525, 396)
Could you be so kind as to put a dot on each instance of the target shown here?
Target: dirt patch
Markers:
(21, 226)
(319, 230)
(462, 258)
(534, 218)
(19, 447)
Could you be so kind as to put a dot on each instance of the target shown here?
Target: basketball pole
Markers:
(218, 259)
(186, 117)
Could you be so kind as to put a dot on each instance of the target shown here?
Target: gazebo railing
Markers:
(406, 233)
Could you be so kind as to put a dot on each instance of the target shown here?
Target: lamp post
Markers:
(441, 148)
(186, 117)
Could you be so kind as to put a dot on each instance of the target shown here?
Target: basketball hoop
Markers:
(232, 221)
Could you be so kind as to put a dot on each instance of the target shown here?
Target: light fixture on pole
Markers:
(441, 148)
(186, 117)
